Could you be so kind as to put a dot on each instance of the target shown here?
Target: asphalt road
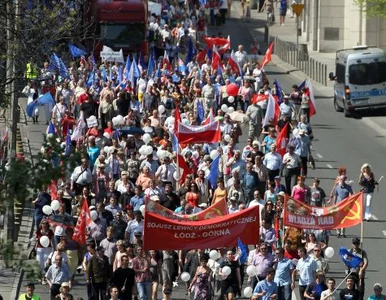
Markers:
(338, 141)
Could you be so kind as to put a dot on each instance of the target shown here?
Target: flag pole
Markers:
(362, 223)
(344, 279)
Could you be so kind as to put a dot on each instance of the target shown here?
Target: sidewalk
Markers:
(286, 33)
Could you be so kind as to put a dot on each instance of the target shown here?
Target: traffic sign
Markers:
(297, 8)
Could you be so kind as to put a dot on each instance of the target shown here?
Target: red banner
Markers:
(347, 213)
(161, 233)
(218, 209)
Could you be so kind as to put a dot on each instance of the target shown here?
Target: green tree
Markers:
(373, 8)
(30, 30)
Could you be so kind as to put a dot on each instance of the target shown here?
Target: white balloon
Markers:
(161, 109)
(177, 175)
(214, 255)
(142, 150)
(115, 121)
(227, 138)
(251, 271)
(44, 241)
(226, 270)
(106, 135)
(224, 108)
(231, 99)
(94, 215)
(142, 210)
(55, 205)
(329, 252)
(146, 138)
(195, 154)
(120, 120)
(231, 110)
(185, 276)
(161, 153)
(47, 210)
(213, 154)
(111, 149)
(248, 292)
(106, 149)
(148, 150)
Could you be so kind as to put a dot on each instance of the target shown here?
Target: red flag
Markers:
(232, 62)
(310, 94)
(54, 189)
(84, 220)
(219, 42)
(216, 59)
(177, 118)
(273, 112)
(224, 48)
(281, 140)
(201, 56)
(184, 166)
(267, 57)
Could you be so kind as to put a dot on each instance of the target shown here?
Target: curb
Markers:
(17, 285)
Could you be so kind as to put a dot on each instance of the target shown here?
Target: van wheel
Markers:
(336, 106)
(347, 113)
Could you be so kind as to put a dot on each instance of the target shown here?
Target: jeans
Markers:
(144, 290)
(38, 218)
(284, 292)
(290, 176)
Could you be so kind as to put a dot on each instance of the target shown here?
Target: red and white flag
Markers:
(191, 134)
(273, 112)
(259, 98)
(281, 140)
(84, 220)
(311, 95)
(210, 118)
(224, 48)
(201, 56)
(232, 62)
(78, 129)
(166, 61)
(223, 44)
(216, 59)
(267, 57)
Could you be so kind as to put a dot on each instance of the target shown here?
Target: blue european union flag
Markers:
(150, 68)
(243, 251)
(75, 51)
(349, 259)
(279, 91)
(214, 172)
(104, 74)
(200, 112)
(68, 144)
(51, 128)
(175, 147)
(91, 78)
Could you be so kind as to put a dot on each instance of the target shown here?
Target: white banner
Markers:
(107, 54)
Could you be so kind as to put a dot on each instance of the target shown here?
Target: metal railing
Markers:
(300, 59)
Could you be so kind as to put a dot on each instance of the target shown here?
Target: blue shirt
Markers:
(270, 288)
(269, 141)
(306, 268)
(302, 144)
(342, 192)
(136, 202)
(272, 161)
(93, 153)
(284, 269)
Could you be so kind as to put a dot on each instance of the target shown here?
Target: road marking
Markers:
(374, 218)
(319, 155)
(384, 232)
(329, 166)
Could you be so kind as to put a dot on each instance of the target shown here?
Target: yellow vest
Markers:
(31, 71)
(34, 297)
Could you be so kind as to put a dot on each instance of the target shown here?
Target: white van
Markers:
(360, 79)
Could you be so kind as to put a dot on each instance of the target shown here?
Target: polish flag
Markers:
(272, 113)
(224, 48)
(216, 59)
(232, 62)
(223, 44)
(191, 134)
(267, 57)
(258, 98)
(166, 61)
(311, 95)
(281, 140)
(177, 119)
(210, 118)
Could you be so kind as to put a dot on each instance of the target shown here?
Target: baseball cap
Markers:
(277, 177)
(30, 284)
(356, 240)
(66, 283)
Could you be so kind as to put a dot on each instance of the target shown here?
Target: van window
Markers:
(340, 73)
(367, 73)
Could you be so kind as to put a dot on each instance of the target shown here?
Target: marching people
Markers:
(367, 182)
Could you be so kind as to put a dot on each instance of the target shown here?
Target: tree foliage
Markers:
(34, 29)
(373, 8)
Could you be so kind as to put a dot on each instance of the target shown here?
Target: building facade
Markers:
(329, 25)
